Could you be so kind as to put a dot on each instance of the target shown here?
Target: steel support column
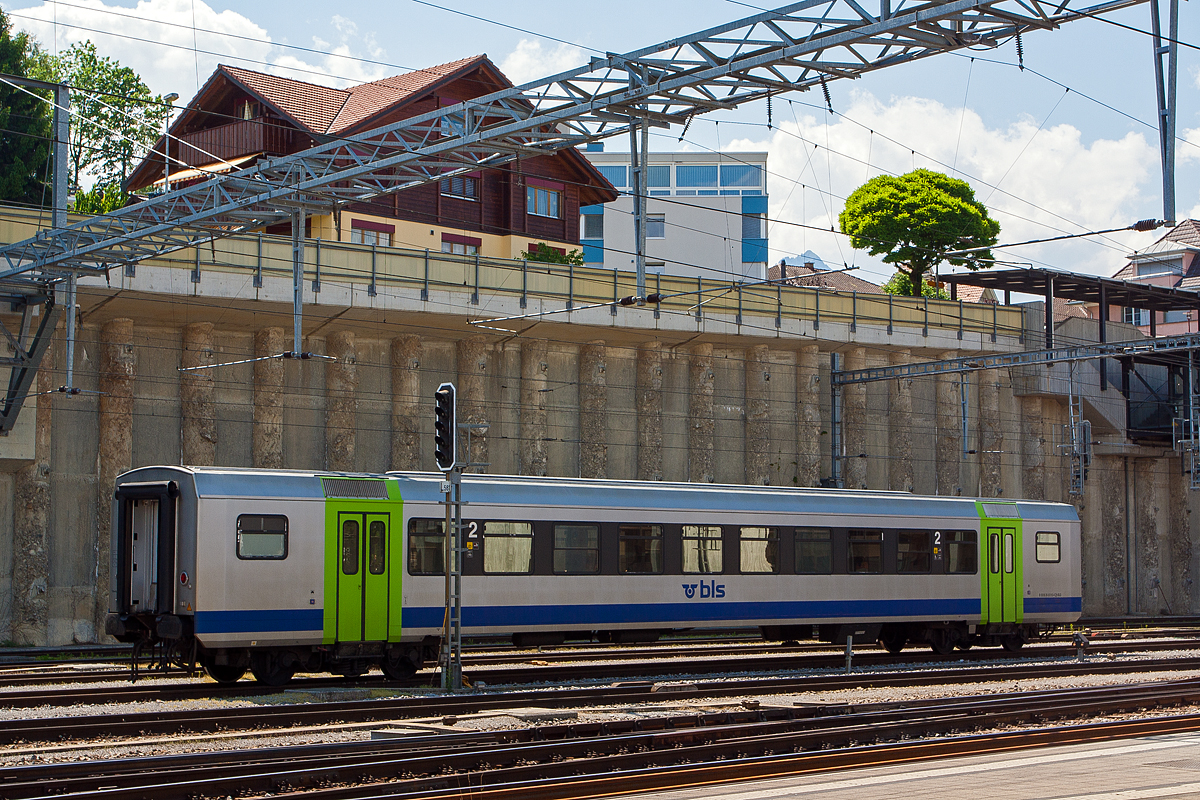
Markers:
(1165, 80)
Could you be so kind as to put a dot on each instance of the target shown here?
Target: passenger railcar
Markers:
(280, 571)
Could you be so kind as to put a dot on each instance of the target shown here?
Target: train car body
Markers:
(279, 571)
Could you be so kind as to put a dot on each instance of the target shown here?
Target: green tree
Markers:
(100, 200)
(900, 284)
(115, 119)
(917, 220)
(548, 255)
(24, 125)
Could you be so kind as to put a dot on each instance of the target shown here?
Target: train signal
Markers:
(445, 427)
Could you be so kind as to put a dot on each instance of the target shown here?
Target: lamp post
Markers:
(168, 99)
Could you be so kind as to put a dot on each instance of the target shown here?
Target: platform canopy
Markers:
(1077, 286)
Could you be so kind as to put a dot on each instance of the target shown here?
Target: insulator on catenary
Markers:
(825, 91)
(1145, 225)
(1020, 53)
(770, 116)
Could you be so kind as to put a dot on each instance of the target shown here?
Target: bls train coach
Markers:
(285, 571)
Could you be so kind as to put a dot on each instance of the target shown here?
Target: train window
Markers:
(376, 546)
(702, 548)
(426, 547)
(507, 548)
(576, 549)
(760, 550)
(961, 552)
(866, 551)
(641, 550)
(262, 536)
(1047, 549)
(350, 547)
(912, 551)
(814, 551)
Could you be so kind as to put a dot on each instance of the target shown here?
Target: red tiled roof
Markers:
(324, 109)
(311, 105)
(1186, 233)
(837, 281)
(975, 294)
(368, 99)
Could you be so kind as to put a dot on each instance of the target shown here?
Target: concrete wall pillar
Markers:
(341, 404)
(31, 521)
(535, 367)
(1147, 514)
(949, 431)
(1178, 583)
(267, 444)
(472, 356)
(593, 411)
(758, 415)
(1113, 541)
(808, 416)
(198, 432)
(1033, 450)
(118, 368)
(406, 402)
(649, 412)
(900, 424)
(991, 434)
(701, 423)
(854, 423)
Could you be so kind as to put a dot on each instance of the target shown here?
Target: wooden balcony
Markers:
(240, 138)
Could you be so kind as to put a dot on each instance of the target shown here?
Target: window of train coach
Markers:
(576, 549)
(641, 550)
(1047, 549)
(350, 547)
(760, 550)
(507, 548)
(866, 551)
(913, 551)
(814, 551)
(962, 557)
(702, 548)
(426, 547)
(262, 536)
(376, 547)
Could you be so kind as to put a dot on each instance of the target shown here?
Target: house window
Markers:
(541, 202)
(616, 175)
(249, 110)
(752, 226)
(1135, 316)
(656, 226)
(658, 176)
(461, 186)
(460, 249)
(360, 236)
(696, 176)
(593, 226)
(748, 175)
(1173, 267)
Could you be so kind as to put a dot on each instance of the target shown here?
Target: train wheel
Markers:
(270, 670)
(225, 673)
(1013, 643)
(940, 642)
(964, 644)
(893, 642)
(400, 668)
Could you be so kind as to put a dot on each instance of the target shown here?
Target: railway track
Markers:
(587, 663)
(598, 759)
(308, 713)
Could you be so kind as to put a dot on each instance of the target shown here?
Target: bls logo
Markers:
(707, 590)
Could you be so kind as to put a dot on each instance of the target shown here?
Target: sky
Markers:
(1067, 145)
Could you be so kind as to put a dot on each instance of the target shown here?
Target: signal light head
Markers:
(445, 427)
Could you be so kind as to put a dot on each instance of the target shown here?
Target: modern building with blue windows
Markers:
(706, 215)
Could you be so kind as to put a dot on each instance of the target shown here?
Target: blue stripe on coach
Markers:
(698, 612)
(1048, 605)
(282, 620)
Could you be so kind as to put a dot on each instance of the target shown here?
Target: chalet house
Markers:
(240, 115)
(1171, 261)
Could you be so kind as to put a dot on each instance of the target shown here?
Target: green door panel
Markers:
(1002, 570)
(350, 578)
(375, 577)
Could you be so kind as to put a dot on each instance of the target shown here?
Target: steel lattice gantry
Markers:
(791, 48)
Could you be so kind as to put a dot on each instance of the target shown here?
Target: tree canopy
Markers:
(548, 255)
(24, 126)
(900, 284)
(115, 119)
(916, 220)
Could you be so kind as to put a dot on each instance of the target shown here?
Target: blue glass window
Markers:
(615, 174)
(658, 176)
(696, 175)
(748, 175)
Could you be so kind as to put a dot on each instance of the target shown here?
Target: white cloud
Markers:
(530, 61)
(1042, 177)
(156, 39)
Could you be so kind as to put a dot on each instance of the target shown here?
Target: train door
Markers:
(364, 564)
(143, 557)
(1002, 586)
